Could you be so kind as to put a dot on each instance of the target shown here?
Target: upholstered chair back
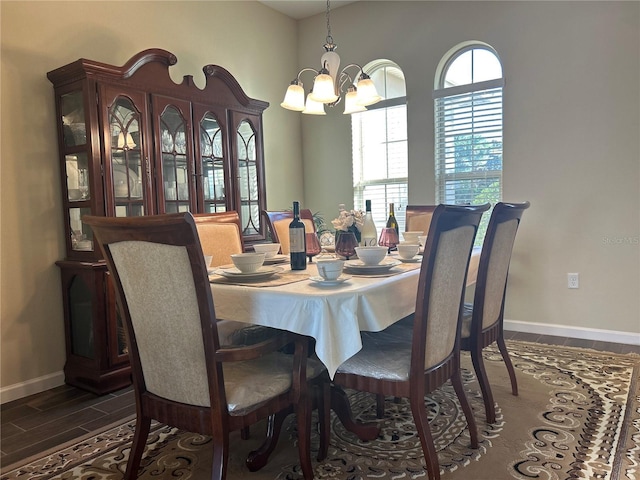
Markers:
(448, 280)
(278, 223)
(220, 236)
(418, 218)
(158, 286)
(497, 271)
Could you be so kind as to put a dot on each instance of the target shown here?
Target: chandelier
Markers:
(330, 84)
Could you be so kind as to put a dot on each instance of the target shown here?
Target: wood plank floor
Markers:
(34, 424)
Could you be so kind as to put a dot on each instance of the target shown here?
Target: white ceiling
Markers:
(299, 9)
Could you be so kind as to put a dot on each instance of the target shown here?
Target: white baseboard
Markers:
(36, 385)
(629, 338)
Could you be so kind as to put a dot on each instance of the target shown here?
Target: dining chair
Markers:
(418, 218)
(413, 366)
(181, 374)
(220, 236)
(278, 225)
(482, 320)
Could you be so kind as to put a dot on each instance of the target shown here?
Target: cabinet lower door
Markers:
(97, 358)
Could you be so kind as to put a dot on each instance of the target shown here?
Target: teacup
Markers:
(408, 250)
(329, 269)
(412, 237)
(422, 239)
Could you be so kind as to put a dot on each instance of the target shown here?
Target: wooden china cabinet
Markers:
(133, 142)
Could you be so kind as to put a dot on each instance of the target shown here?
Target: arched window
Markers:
(468, 128)
(379, 142)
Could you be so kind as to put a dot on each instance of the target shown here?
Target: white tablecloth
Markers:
(333, 316)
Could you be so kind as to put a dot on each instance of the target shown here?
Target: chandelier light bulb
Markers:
(350, 103)
(294, 98)
(313, 108)
(367, 93)
(323, 88)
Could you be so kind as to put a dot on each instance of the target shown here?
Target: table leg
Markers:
(258, 458)
(340, 404)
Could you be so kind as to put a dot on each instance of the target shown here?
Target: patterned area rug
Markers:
(577, 417)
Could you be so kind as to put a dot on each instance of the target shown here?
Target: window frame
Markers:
(471, 96)
(400, 184)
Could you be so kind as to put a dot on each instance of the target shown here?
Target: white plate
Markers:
(260, 274)
(276, 259)
(416, 259)
(356, 266)
(321, 281)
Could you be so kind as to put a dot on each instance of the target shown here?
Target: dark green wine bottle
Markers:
(297, 241)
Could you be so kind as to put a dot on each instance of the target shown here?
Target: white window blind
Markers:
(380, 170)
(468, 145)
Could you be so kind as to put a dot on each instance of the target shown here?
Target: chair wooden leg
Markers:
(483, 380)
(324, 418)
(143, 425)
(456, 380)
(258, 458)
(421, 420)
(507, 361)
(220, 445)
(379, 405)
(303, 416)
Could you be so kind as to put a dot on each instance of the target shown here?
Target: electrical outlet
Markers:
(573, 280)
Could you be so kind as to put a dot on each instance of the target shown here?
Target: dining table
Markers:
(332, 313)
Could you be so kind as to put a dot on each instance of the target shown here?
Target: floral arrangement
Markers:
(349, 221)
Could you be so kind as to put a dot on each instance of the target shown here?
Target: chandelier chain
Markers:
(329, 37)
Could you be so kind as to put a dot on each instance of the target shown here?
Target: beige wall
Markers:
(571, 135)
(571, 123)
(255, 43)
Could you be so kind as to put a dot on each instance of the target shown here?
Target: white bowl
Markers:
(412, 237)
(247, 262)
(408, 250)
(269, 249)
(371, 255)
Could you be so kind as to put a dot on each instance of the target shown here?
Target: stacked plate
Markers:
(276, 259)
(357, 266)
(235, 274)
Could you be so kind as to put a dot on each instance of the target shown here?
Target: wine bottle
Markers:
(369, 230)
(297, 241)
(391, 221)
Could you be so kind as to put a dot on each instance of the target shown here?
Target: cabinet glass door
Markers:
(126, 158)
(212, 164)
(248, 182)
(176, 170)
(74, 130)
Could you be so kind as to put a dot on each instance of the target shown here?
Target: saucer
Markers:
(416, 259)
(327, 283)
